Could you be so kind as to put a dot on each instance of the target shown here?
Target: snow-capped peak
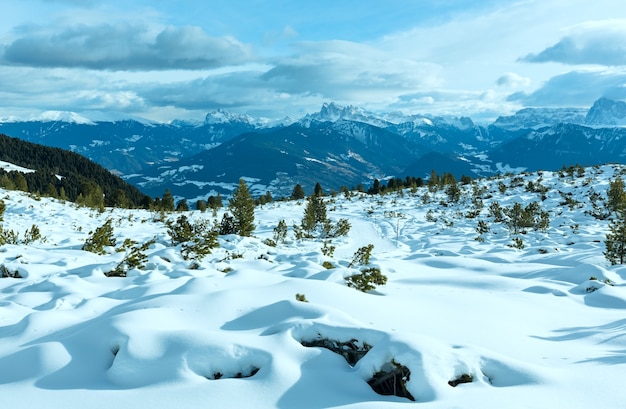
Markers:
(607, 112)
(332, 112)
(541, 117)
(221, 116)
(61, 116)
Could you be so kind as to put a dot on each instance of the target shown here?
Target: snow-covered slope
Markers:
(542, 326)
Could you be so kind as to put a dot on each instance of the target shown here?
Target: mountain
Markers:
(188, 156)
(535, 118)
(331, 112)
(552, 147)
(127, 147)
(606, 112)
(441, 163)
(333, 154)
(46, 170)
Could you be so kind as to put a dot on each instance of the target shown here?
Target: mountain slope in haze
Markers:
(333, 154)
(535, 118)
(563, 145)
(126, 147)
(178, 155)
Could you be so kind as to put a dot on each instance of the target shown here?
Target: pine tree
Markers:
(298, 192)
(616, 194)
(241, 205)
(182, 206)
(314, 213)
(167, 203)
(215, 202)
(201, 205)
(615, 240)
(318, 191)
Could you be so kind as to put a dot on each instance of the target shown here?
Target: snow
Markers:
(9, 167)
(62, 116)
(530, 325)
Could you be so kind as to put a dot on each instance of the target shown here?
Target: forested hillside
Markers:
(59, 173)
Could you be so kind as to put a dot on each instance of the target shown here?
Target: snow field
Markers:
(528, 324)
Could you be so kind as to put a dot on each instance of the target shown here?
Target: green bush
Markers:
(367, 279)
(327, 249)
(196, 239)
(280, 232)
(99, 239)
(135, 258)
(181, 231)
(32, 235)
(328, 265)
(362, 256)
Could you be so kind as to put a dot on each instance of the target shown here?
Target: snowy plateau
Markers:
(537, 325)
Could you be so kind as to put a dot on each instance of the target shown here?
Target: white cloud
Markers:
(513, 80)
(577, 88)
(596, 42)
(342, 70)
(124, 46)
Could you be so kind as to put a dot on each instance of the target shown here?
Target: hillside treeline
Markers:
(65, 174)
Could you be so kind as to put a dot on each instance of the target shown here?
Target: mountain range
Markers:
(337, 146)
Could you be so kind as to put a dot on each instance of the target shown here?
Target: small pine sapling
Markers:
(280, 232)
(368, 278)
(134, 259)
(102, 237)
(32, 235)
(362, 256)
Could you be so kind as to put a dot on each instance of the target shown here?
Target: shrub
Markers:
(227, 226)
(135, 258)
(495, 211)
(32, 235)
(615, 240)
(367, 279)
(197, 239)
(517, 243)
(341, 228)
(280, 232)
(362, 256)
(328, 265)
(301, 298)
(181, 231)
(327, 249)
(102, 237)
(8, 237)
(269, 242)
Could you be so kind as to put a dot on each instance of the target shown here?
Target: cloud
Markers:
(576, 88)
(513, 80)
(338, 71)
(602, 43)
(342, 69)
(125, 46)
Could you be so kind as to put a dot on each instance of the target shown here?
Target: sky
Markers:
(165, 59)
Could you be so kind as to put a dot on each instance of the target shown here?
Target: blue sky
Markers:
(167, 59)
